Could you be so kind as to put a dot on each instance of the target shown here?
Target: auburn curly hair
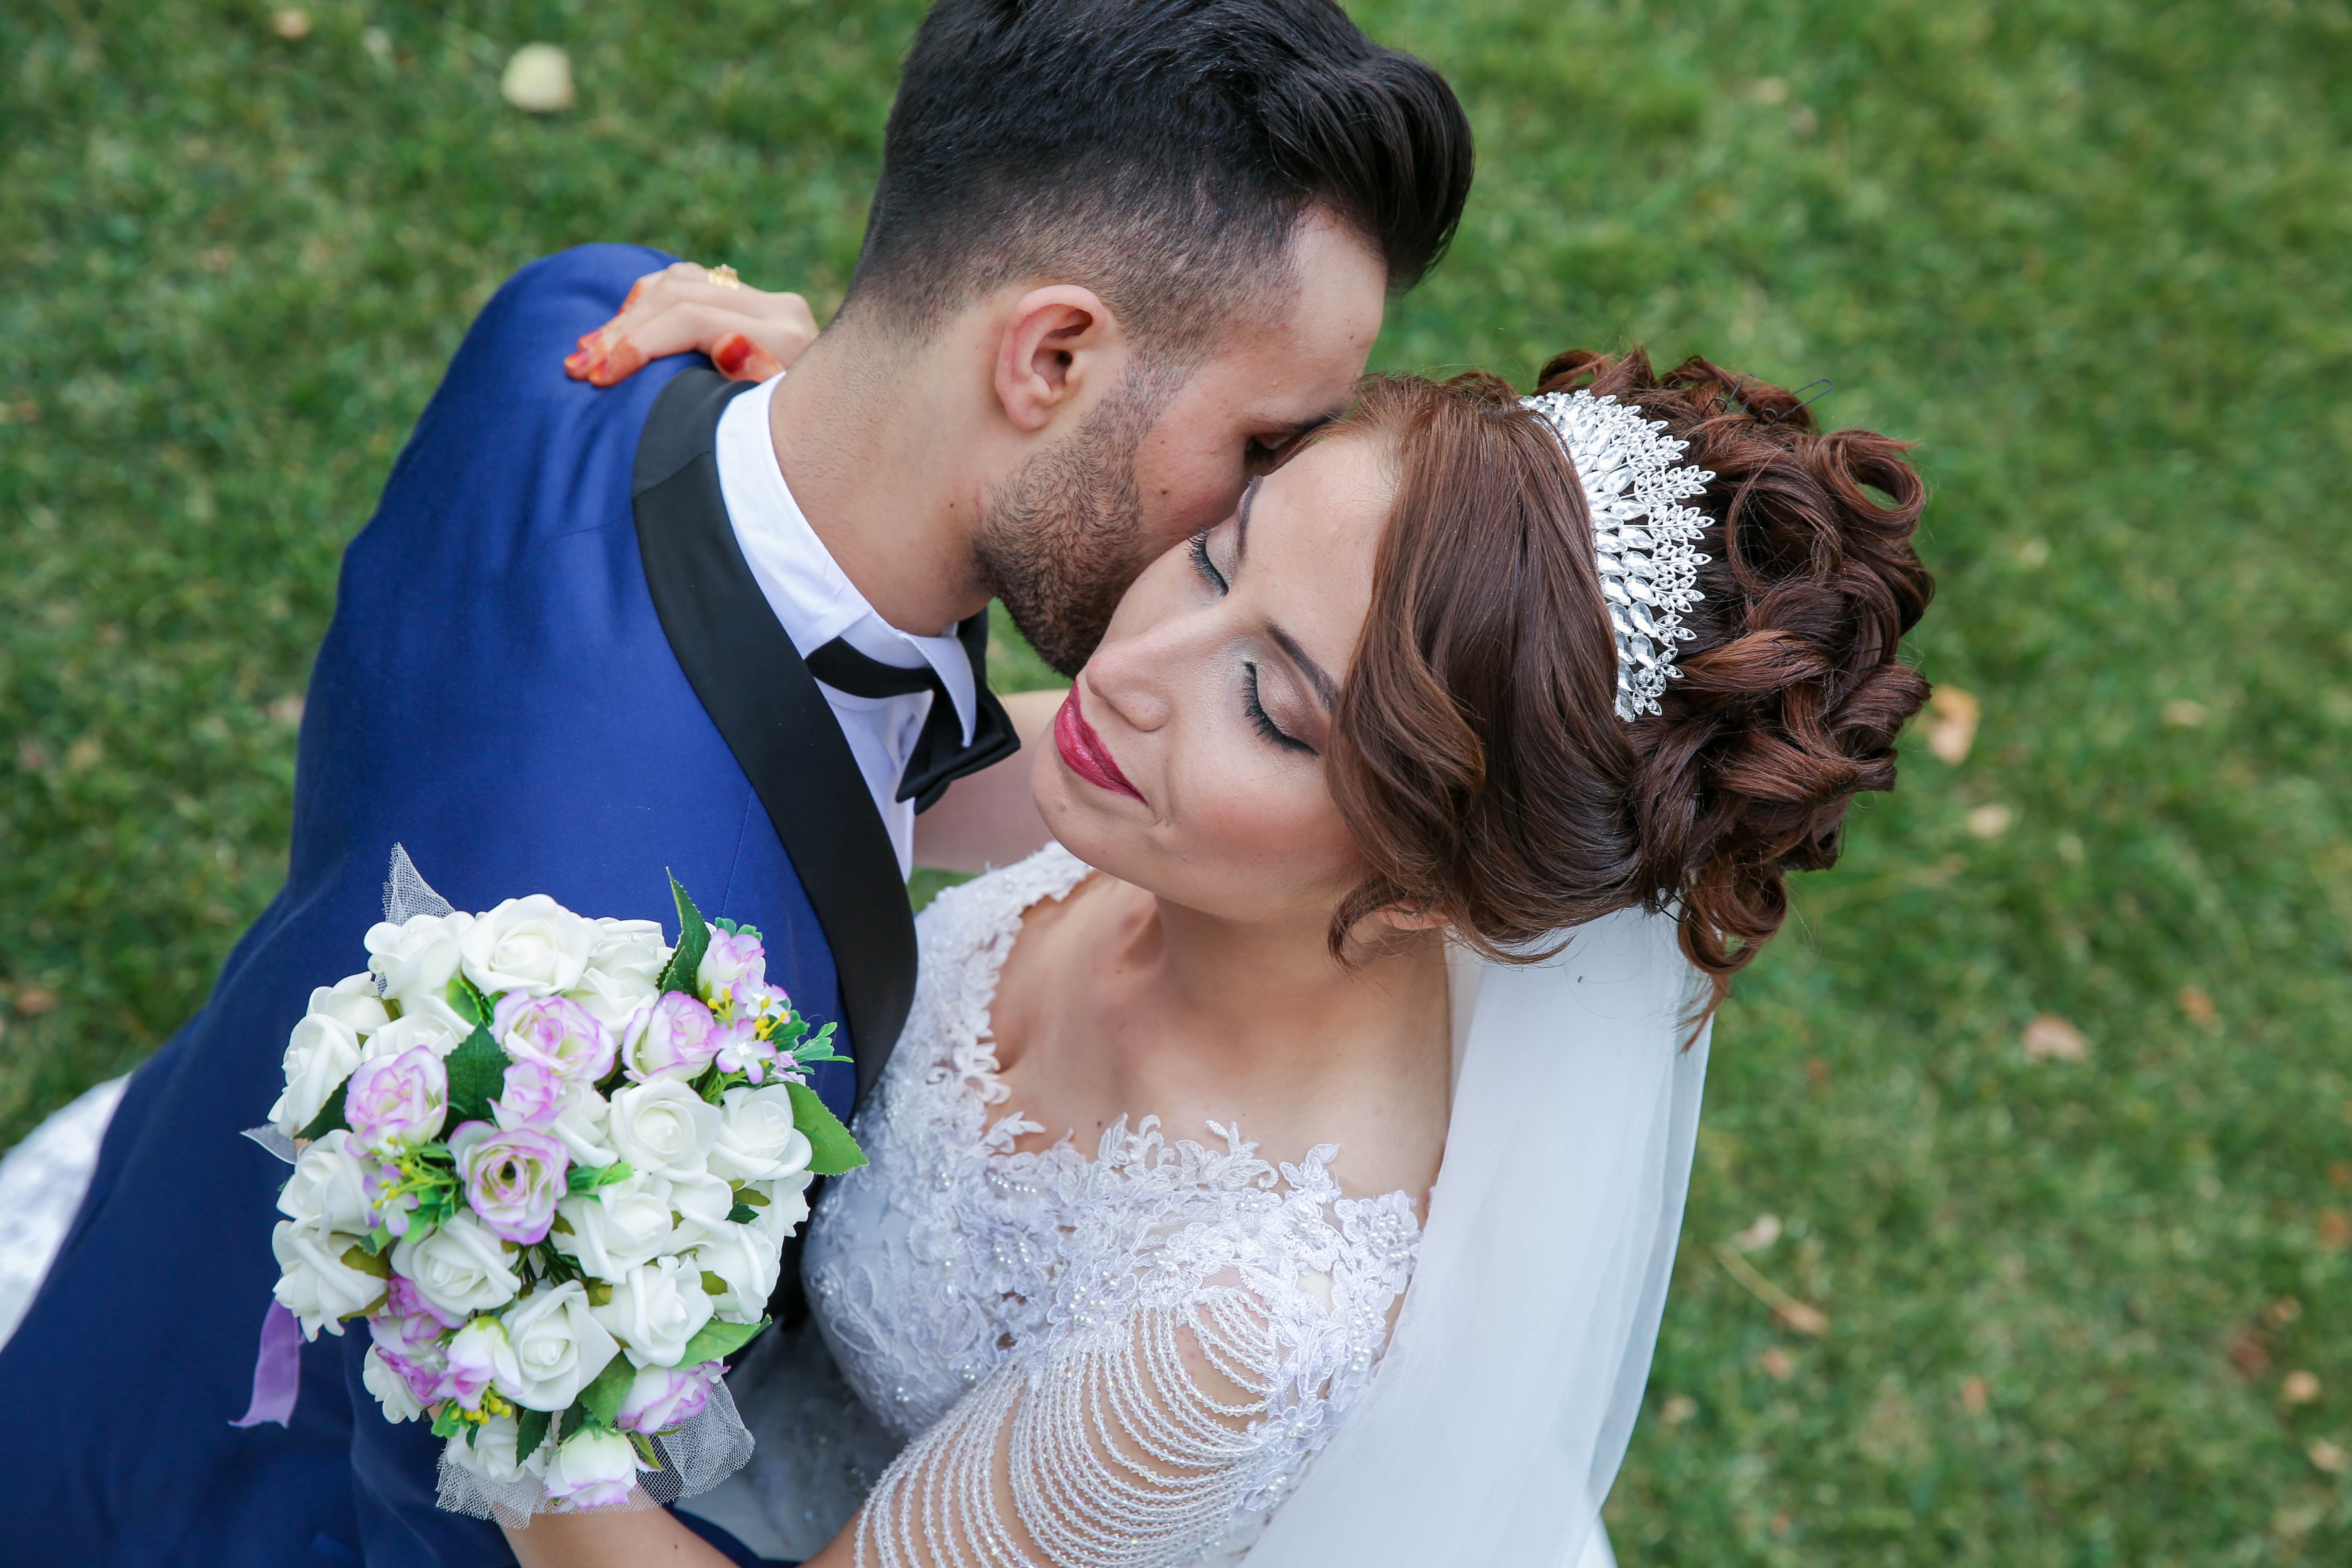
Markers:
(1476, 754)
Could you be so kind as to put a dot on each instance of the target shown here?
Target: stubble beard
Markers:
(1062, 539)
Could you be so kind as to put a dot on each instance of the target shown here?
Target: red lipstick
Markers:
(1083, 750)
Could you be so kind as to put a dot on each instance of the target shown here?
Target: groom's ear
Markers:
(1056, 343)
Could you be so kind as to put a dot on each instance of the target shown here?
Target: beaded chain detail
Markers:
(1033, 1320)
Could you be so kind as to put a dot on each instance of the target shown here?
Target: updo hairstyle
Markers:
(1476, 754)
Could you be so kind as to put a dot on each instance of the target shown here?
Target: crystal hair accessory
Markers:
(1641, 534)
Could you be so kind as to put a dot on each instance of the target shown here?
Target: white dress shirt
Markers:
(815, 602)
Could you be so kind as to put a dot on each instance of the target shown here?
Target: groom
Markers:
(1121, 251)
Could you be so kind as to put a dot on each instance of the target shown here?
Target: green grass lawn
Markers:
(2092, 257)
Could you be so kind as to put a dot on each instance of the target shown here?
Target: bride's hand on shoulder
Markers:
(749, 333)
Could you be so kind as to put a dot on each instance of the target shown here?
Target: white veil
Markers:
(1496, 1425)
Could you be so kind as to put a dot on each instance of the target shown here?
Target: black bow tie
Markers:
(940, 756)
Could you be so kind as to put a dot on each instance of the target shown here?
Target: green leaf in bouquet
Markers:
(478, 1069)
(714, 1341)
(832, 1150)
(356, 1256)
(447, 1421)
(647, 1453)
(693, 941)
(531, 1431)
(744, 1195)
(468, 1000)
(741, 1213)
(588, 1178)
(329, 1117)
(602, 1398)
(712, 1285)
(732, 929)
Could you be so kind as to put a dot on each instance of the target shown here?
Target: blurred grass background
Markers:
(2082, 1303)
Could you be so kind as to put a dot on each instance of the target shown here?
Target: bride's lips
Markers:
(1084, 749)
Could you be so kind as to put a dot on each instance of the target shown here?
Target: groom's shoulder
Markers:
(505, 398)
(538, 315)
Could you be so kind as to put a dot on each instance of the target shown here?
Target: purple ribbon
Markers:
(276, 1370)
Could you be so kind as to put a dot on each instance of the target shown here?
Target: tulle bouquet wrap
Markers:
(551, 1161)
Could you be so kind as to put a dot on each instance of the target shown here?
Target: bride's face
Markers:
(1188, 760)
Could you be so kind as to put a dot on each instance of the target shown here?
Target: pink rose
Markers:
(512, 1179)
(410, 1345)
(555, 1033)
(734, 964)
(532, 1096)
(662, 1397)
(403, 1299)
(674, 1036)
(394, 1104)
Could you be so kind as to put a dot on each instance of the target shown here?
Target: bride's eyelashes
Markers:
(1264, 721)
(1207, 568)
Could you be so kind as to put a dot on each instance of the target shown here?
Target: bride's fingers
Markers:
(674, 309)
(744, 347)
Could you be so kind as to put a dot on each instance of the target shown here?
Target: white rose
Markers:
(664, 1128)
(458, 1265)
(757, 1141)
(630, 948)
(600, 1466)
(746, 1258)
(320, 1054)
(329, 1188)
(554, 1348)
(491, 1454)
(787, 1208)
(534, 946)
(612, 999)
(316, 1282)
(702, 1205)
(580, 1122)
(440, 1031)
(418, 958)
(617, 1227)
(352, 999)
(655, 1309)
(390, 1389)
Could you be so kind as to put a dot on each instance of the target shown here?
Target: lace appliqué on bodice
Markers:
(1066, 1296)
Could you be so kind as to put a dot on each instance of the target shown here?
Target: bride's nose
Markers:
(1132, 676)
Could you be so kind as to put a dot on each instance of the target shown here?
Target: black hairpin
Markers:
(1826, 385)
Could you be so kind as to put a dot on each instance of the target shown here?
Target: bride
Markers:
(1288, 1156)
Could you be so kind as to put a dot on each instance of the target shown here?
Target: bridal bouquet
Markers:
(551, 1162)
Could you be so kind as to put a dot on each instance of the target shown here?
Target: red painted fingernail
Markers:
(730, 354)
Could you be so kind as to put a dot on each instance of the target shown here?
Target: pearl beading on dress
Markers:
(1641, 534)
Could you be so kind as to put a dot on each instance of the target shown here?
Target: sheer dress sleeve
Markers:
(1169, 1406)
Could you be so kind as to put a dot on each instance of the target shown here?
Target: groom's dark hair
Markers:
(1160, 152)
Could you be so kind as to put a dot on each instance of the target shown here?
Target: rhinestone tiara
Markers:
(1642, 533)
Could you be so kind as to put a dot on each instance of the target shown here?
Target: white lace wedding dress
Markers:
(1127, 1359)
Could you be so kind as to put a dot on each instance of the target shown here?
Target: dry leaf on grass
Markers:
(1763, 1233)
(2299, 1388)
(1974, 1396)
(2050, 1038)
(1795, 1314)
(2183, 714)
(1991, 821)
(291, 23)
(2325, 1457)
(1776, 1363)
(537, 79)
(1951, 718)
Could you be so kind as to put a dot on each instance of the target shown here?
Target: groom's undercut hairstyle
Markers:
(1160, 153)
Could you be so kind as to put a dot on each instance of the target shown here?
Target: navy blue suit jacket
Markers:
(496, 693)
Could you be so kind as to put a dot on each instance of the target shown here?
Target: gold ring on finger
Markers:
(724, 277)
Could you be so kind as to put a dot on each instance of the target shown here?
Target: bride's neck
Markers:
(1257, 993)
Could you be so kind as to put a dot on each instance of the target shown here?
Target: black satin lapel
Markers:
(767, 706)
